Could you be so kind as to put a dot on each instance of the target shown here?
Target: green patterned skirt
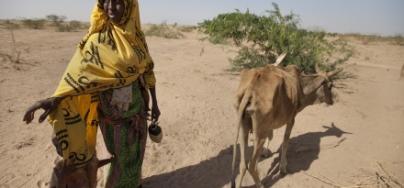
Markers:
(125, 138)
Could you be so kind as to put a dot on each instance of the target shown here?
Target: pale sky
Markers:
(385, 17)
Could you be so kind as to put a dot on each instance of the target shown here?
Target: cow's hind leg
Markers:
(284, 162)
(243, 150)
(266, 152)
(252, 168)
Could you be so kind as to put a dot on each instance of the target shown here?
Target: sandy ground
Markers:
(196, 96)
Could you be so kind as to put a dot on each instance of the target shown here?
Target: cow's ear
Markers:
(334, 73)
(313, 85)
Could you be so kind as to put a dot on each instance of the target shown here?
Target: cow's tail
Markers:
(240, 111)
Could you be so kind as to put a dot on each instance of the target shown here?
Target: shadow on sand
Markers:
(302, 151)
(213, 173)
(216, 172)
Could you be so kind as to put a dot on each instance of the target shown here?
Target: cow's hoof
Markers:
(233, 184)
(266, 153)
(283, 172)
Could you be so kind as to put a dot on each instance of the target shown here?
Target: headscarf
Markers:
(109, 56)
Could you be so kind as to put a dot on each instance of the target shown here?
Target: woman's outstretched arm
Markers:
(48, 105)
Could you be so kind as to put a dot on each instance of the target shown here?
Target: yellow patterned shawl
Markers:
(110, 56)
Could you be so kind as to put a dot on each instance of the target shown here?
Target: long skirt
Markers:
(125, 138)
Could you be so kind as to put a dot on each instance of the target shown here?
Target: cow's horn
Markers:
(280, 59)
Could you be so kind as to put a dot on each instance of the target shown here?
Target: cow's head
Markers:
(334, 131)
(318, 87)
(324, 93)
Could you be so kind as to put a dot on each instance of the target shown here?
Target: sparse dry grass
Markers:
(369, 39)
(13, 57)
(10, 24)
(38, 24)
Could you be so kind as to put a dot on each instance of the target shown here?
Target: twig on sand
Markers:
(389, 177)
(330, 182)
(328, 179)
(321, 180)
(382, 178)
(366, 181)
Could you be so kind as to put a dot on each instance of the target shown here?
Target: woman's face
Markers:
(114, 9)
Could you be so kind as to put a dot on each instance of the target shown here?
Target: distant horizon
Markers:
(373, 17)
(308, 29)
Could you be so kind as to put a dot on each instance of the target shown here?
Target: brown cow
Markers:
(268, 98)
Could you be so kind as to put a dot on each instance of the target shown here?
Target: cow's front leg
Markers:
(284, 162)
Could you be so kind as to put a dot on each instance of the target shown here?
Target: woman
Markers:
(104, 85)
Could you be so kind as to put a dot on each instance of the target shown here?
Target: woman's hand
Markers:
(155, 112)
(155, 107)
(48, 105)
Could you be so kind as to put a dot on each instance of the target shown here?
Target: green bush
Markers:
(164, 30)
(263, 38)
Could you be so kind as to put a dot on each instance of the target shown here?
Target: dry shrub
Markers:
(62, 25)
(397, 40)
(187, 29)
(55, 19)
(13, 58)
(34, 23)
(164, 30)
(9, 24)
(71, 26)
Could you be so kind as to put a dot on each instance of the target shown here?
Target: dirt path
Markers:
(196, 97)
